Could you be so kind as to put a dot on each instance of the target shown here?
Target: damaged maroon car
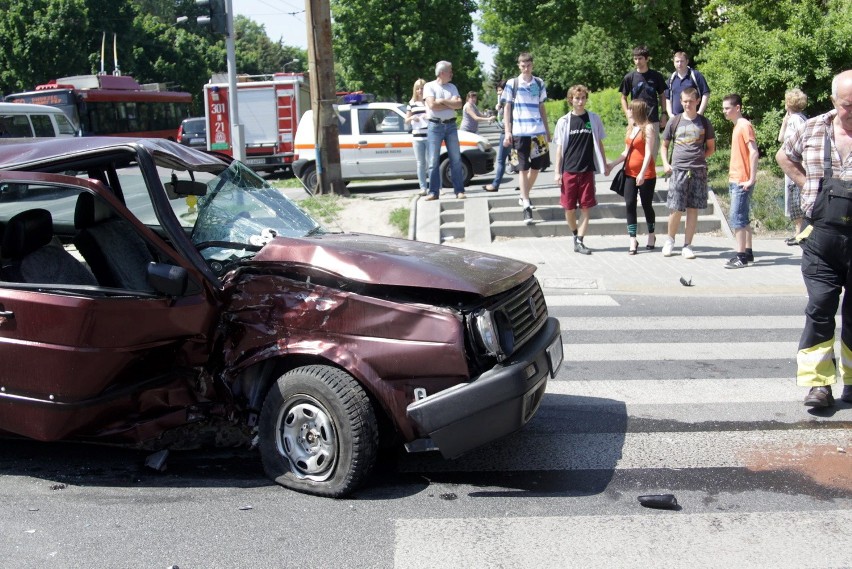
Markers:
(152, 294)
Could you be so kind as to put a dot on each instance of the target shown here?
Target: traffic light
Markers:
(217, 18)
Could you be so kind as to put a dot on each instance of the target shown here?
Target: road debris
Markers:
(686, 282)
(157, 461)
(659, 501)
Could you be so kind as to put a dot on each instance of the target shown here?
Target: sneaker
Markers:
(580, 247)
(521, 203)
(735, 263)
(819, 397)
(460, 196)
(667, 247)
(430, 197)
(422, 192)
(750, 258)
(528, 219)
(687, 252)
(847, 394)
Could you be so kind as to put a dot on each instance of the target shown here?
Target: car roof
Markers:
(195, 119)
(22, 108)
(43, 154)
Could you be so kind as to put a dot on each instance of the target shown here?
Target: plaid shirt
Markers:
(805, 146)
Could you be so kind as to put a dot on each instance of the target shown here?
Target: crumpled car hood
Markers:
(400, 262)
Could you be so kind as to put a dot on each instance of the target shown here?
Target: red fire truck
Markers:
(269, 108)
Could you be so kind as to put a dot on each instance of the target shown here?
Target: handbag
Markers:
(617, 184)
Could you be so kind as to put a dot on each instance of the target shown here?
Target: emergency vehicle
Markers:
(375, 143)
(269, 108)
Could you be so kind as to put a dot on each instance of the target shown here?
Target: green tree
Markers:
(588, 41)
(760, 50)
(384, 46)
(257, 54)
(35, 36)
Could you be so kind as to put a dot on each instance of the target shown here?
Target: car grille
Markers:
(527, 311)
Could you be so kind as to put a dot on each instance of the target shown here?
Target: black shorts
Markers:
(522, 145)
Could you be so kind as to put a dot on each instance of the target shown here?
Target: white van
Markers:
(375, 143)
(19, 120)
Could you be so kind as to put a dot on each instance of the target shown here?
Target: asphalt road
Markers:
(654, 397)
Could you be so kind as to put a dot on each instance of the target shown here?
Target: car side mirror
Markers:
(181, 188)
(168, 279)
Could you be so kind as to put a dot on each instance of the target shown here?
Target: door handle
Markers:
(7, 314)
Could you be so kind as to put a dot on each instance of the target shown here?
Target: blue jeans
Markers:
(740, 206)
(447, 133)
(502, 154)
(421, 153)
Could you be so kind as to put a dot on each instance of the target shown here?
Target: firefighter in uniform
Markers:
(818, 157)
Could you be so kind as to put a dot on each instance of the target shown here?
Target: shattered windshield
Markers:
(240, 212)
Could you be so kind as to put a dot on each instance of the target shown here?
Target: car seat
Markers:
(116, 254)
(32, 255)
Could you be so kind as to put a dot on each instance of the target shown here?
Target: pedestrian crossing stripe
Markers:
(643, 323)
(531, 450)
(746, 540)
(579, 300)
(612, 392)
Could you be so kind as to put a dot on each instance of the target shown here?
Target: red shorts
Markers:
(577, 188)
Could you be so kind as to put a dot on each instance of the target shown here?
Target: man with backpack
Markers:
(684, 77)
(526, 128)
(694, 142)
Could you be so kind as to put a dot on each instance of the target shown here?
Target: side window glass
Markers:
(15, 126)
(389, 122)
(42, 125)
(367, 121)
(345, 119)
(64, 125)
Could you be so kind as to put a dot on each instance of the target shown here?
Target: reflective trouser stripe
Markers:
(845, 363)
(816, 365)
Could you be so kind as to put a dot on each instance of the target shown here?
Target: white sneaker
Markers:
(668, 246)
(521, 203)
(687, 252)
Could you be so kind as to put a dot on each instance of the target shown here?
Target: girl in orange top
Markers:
(640, 172)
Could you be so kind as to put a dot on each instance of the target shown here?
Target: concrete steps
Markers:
(485, 217)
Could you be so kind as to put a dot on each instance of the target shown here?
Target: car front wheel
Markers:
(309, 177)
(446, 179)
(318, 432)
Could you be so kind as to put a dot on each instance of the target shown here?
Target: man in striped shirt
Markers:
(527, 132)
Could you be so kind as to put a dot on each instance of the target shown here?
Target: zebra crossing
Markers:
(689, 396)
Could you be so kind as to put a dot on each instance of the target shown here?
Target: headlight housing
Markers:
(494, 333)
(483, 145)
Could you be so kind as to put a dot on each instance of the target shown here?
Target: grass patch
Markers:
(291, 182)
(324, 207)
(399, 218)
(767, 201)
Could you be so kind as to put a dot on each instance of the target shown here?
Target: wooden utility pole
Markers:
(321, 67)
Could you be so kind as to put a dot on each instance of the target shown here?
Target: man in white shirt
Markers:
(442, 101)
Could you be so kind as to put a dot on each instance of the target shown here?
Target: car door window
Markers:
(15, 126)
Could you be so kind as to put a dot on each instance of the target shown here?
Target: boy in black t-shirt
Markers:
(579, 154)
(647, 85)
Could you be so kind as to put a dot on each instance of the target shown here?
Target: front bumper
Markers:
(481, 162)
(497, 403)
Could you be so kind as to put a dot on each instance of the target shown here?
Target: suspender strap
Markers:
(826, 157)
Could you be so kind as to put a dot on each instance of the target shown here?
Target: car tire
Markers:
(446, 180)
(318, 432)
(309, 177)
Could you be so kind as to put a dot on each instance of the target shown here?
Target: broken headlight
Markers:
(494, 333)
